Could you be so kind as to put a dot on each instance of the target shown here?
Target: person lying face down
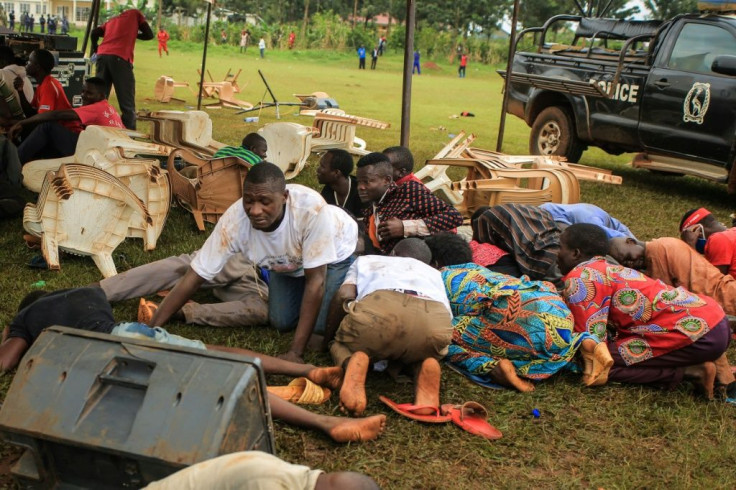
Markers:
(87, 309)
(676, 264)
(394, 212)
(510, 331)
(659, 335)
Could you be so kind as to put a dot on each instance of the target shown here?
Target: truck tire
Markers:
(553, 133)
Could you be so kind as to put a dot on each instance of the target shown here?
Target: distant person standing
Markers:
(381, 45)
(64, 25)
(374, 58)
(243, 40)
(51, 25)
(223, 37)
(262, 46)
(31, 21)
(42, 23)
(163, 39)
(11, 19)
(361, 58)
(463, 65)
(115, 57)
(416, 66)
(292, 39)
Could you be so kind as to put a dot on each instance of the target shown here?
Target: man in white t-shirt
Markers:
(390, 308)
(291, 231)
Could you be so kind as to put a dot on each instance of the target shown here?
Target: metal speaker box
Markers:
(99, 411)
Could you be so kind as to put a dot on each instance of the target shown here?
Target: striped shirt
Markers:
(240, 152)
(529, 233)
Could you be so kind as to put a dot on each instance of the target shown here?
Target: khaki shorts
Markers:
(394, 326)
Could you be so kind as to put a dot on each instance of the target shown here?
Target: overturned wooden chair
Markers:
(338, 131)
(434, 174)
(163, 90)
(85, 211)
(214, 184)
(289, 146)
(182, 129)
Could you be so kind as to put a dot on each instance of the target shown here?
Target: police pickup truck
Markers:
(664, 89)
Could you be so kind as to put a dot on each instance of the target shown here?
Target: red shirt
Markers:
(163, 36)
(464, 60)
(120, 33)
(99, 114)
(720, 249)
(645, 317)
(50, 96)
(407, 178)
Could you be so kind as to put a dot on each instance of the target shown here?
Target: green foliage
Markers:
(666, 9)
(534, 13)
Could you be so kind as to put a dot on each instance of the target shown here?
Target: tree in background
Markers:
(666, 9)
(535, 12)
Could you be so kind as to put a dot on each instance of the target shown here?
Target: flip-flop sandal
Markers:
(471, 417)
(38, 262)
(302, 392)
(408, 410)
(146, 309)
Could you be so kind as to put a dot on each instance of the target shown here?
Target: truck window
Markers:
(698, 45)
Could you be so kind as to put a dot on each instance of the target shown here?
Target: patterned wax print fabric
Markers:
(496, 317)
(644, 317)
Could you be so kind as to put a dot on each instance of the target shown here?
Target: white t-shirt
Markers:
(311, 234)
(371, 273)
(10, 72)
(261, 44)
(247, 470)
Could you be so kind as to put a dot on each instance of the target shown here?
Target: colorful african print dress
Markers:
(644, 317)
(496, 317)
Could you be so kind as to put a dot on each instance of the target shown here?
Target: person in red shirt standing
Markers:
(656, 334)
(163, 38)
(56, 131)
(115, 57)
(463, 65)
(292, 38)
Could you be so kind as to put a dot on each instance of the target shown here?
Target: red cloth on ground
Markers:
(644, 317)
(50, 96)
(486, 254)
(720, 249)
(119, 34)
(99, 114)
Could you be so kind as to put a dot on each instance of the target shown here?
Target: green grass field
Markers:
(612, 437)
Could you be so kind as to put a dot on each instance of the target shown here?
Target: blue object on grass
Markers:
(536, 413)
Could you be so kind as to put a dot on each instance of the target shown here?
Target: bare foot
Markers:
(349, 430)
(352, 393)
(505, 374)
(724, 374)
(331, 377)
(597, 362)
(704, 377)
(428, 386)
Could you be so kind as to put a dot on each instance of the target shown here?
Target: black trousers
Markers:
(117, 72)
(48, 140)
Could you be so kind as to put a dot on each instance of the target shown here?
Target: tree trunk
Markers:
(355, 12)
(306, 19)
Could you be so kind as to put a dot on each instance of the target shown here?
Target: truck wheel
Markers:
(553, 133)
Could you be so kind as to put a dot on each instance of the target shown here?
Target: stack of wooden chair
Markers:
(334, 130)
(105, 159)
(191, 130)
(86, 211)
(493, 178)
(289, 146)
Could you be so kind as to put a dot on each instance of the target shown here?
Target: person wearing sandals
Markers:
(657, 334)
(391, 308)
(510, 331)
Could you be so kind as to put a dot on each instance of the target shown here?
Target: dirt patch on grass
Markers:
(431, 65)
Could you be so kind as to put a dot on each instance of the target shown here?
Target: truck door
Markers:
(686, 108)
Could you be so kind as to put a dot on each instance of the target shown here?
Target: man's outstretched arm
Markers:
(177, 297)
(314, 289)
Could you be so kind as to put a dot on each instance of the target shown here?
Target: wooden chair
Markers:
(338, 131)
(217, 183)
(163, 90)
(85, 211)
(289, 146)
(434, 173)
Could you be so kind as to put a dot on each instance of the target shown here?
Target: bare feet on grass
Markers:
(352, 393)
(597, 362)
(329, 377)
(428, 387)
(505, 374)
(703, 376)
(356, 430)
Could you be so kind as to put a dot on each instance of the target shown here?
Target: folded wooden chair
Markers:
(217, 184)
(226, 94)
(289, 146)
(85, 211)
